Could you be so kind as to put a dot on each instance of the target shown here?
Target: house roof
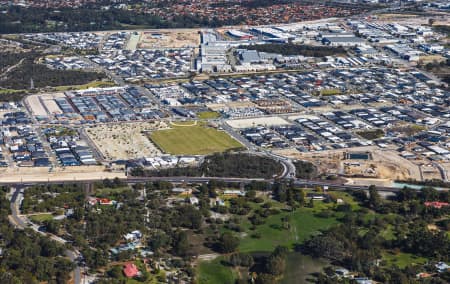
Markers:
(436, 204)
(130, 270)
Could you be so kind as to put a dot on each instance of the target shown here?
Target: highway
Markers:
(183, 179)
(20, 222)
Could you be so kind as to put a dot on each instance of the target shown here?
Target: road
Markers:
(442, 171)
(181, 179)
(20, 222)
(288, 166)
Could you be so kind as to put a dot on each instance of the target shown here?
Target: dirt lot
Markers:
(218, 107)
(169, 38)
(430, 172)
(44, 104)
(446, 167)
(385, 164)
(251, 122)
(125, 140)
(405, 19)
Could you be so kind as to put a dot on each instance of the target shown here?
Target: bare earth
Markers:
(178, 38)
(125, 140)
(251, 122)
(44, 104)
(385, 165)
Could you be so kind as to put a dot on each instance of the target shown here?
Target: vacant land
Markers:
(169, 38)
(39, 218)
(371, 134)
(402, 259)
(93, 84)
(300, 268)
(252, 122)
(208, 115)
(193, 140)
(44, 104)
(303, 224)
(125, 140)
(215, 272)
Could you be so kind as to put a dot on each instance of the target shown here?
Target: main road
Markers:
(184, 179)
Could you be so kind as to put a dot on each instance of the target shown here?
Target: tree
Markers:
(158, 240)
(311, 203)
(429, 194)
(115, 272)
(188, 216)
(250, 194)
(264, 278)
(299, 196)
(275, 265)
(424, 242)
(374, 197)
(95, 258)
(228, 243)
(406, 194)
(325, 246)
(52, 226)
(78, 214)
(241, 259)
(180, 243)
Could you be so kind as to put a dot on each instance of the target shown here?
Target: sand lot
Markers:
(219, 107)
(429, 171)
(125, 140)
(405, 19)
(386, 164)
(251, 122)
(177, 38)
(44, 104)
(446, 166)
(307, 116)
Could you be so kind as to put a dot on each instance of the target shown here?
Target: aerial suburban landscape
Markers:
(224, 141)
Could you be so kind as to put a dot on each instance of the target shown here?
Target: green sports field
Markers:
(193, 140)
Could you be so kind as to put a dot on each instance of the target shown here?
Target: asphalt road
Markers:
(181, 179)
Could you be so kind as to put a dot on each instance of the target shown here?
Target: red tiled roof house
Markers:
(130, 270)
